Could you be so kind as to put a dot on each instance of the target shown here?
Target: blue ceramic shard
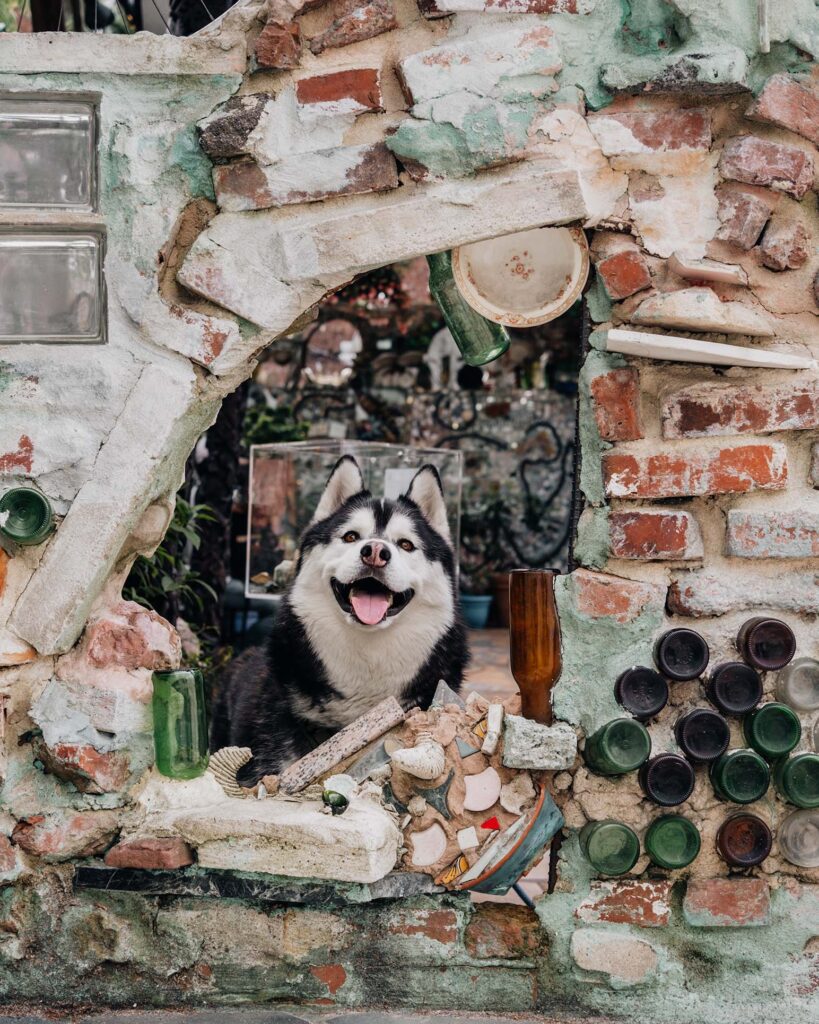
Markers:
(392, 799)
(499, 876)
(465, 749)
(445, 695)
(436, 797)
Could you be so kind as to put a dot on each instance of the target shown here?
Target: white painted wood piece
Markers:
(693, 350)
(706, 270)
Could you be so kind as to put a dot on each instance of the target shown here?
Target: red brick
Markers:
(654, 535)
(150, 853)
(787, 103)
(332, 975)
(727, 902)
(644, 904)
(601, 596)
(624, 273)
(65, 835)
(759, 162)
(439, 925)
(779, 534)
(686, 473)
(785, 246)
(702, 595)
(88, 769)
(666, 130)
(8, 855)
(130, 636)
(503, 932)
(278, 46)
(742, 216)
(616, 399)
(707, 410)
(356, 21)
(361, 85)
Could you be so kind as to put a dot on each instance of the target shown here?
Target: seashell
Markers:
(426, 760)
(224, 765)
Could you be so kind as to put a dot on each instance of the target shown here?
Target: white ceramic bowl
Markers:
(523, 279)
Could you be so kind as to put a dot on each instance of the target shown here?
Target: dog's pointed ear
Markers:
(428, 494)
(345, 481)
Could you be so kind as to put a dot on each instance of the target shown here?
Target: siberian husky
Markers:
(371, 612)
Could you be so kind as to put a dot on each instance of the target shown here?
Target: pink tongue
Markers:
(369, 608)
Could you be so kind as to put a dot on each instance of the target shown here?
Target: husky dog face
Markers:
(375, 578)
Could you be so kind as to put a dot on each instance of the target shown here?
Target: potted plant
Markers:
(475, 597)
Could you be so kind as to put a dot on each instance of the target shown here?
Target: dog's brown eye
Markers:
(350, 537)
(407, 545)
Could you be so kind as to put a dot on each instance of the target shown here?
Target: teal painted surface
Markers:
(591, 546)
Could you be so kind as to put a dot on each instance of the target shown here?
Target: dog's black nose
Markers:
(375, 554)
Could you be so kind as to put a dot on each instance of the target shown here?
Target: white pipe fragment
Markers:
(494, 723)
(693, 350)
(706, 270)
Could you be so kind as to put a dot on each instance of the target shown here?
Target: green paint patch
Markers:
(187, 155)
(591, 546)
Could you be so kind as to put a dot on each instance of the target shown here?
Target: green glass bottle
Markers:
(740, 777)
(180, 724)
(611, 847)
(619, 746)
(25, 515)
(797, 779)
(773, 730)
(672, 841)
(479, 340)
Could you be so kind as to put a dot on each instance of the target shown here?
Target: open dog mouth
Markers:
(369, 601)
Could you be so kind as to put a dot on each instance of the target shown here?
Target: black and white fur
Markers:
(323, 667)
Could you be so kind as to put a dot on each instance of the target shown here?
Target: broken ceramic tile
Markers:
(437, 797)
(482, 791)
(465, 749)
(452, 871)
(518, 794)
(391, 799)
(428, 846)
(445, 695)
(480, 730)
(468, 838)
(494, 722)
(491, 823)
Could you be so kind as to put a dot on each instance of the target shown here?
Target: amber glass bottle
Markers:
(767, 644)
(744, 840)
(534, 640)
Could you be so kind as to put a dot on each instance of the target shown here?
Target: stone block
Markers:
(785, 245)
(294, 838)
(654, 535)
(624, 273)
(502, 932)
(743, 215)
(643, 904)
(602, 596)
(150, 853)
(305, 178)
(780, 534)
(680, 473)
(14, 651)
(786, 102)
(66, 835)
(278, 46)
(707, 270)
(654, 141)
(484, 63)
(88, 769)
(772, 164)
(708, 410)
(214, 342)
(700, 309)
(225, 133)
(620, 960)
(131, 636)
(356, 21)
(616, 403)
(701, 595)
(356, 89)
(527, 744)
(727, 903)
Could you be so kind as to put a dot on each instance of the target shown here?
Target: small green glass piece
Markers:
(672, 841)
(26, 516)
(180, 724)
(740, 777)
(619, 746)
(773, 730)
(611, 847)
(797, 779)
(479, 340)
(337, 802)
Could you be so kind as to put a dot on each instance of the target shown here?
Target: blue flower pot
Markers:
(476, 609)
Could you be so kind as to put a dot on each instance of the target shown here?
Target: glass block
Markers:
(47, 153)
(50, 286)
(286, 482)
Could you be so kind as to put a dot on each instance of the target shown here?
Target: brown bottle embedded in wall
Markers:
(767, 644)
(534, 640)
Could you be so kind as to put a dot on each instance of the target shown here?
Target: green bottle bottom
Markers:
(672, 841)
(611, 847)
(797, 780)
(740, 777)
